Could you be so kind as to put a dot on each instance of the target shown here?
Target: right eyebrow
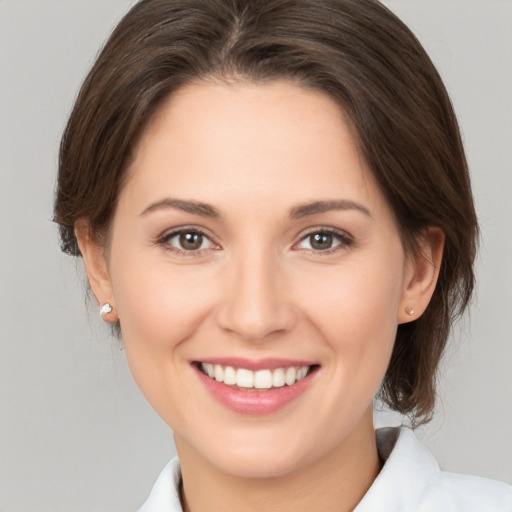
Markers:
(194, 207)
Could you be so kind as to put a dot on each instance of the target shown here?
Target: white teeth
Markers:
(260, 379)
(263, 379)
(219, 373)
(244, 378)
(208, 369)
(290, 376)
(278, 378)
(302, 373)
(229, 376)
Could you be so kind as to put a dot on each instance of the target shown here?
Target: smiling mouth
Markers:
(259, 380)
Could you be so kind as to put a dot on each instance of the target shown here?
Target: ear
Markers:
(93, 254)
(421, 275)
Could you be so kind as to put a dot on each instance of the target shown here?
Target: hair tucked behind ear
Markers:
(355, 51)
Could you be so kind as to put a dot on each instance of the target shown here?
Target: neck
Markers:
(335, 481)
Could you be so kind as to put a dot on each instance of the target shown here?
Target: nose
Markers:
(256, 302)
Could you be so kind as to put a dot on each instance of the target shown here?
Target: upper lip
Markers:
(255, 364)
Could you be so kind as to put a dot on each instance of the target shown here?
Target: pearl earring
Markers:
(410, 310)
(106, 309)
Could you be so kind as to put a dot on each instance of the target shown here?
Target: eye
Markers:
(324, 241)
(190, 240)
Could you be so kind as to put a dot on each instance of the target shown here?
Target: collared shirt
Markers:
(410, 481)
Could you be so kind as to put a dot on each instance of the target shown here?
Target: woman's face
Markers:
(250, 240)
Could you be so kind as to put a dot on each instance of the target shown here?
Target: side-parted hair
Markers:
(355, 51)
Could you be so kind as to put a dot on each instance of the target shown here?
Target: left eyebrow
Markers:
(315, 207)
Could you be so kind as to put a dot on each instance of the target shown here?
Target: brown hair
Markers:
(358, 53)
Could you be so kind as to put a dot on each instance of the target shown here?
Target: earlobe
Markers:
(93, 254)
(422, 275)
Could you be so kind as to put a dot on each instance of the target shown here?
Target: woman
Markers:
(273, 206)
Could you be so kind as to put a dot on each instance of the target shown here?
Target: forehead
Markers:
(273, 142)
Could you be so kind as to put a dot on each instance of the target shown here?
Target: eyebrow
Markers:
(298, 212)
(315, 207)
(194, 207)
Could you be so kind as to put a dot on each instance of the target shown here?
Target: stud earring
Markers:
(409, 310)
(106, 309)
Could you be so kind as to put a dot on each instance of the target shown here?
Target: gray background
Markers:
(75, 434)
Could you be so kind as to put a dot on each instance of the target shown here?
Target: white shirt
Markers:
(410, 481)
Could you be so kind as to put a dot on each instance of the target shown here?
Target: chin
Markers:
(253, 465)
(256, 455)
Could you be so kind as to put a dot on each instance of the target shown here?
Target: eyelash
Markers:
(345, 241)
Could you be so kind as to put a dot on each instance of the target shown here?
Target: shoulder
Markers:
(467, 492)
(412, 480)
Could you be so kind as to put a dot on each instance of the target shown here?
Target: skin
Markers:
(257, 289)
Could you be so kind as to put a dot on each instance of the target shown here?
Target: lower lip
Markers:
(254, 403)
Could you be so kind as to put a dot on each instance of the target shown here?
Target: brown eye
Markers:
(325, 241)
(191, 241)
(321, 241)
(186, 241)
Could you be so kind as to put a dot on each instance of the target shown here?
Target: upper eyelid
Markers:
(169, 233)
(325, 229)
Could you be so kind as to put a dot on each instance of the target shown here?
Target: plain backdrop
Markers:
(75, 434)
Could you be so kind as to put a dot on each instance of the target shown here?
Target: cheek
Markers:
(160, 308)
(356, 311)
(361, 290)
(158, 304)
